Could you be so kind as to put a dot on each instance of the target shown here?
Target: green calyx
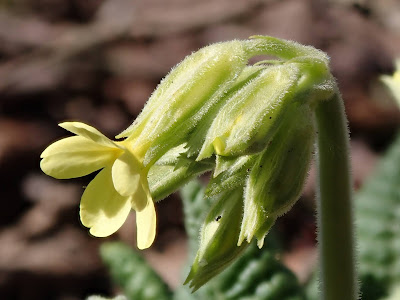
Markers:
(277, 177)
(184, 97)
(218, 239)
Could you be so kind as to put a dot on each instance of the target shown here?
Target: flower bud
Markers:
(249, 119)
(250, 116)
(277, 177)
(197, 137)
(218, 238)
(184, 96)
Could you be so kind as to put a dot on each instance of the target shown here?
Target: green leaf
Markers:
(103, 298)
(378, 227)
(131, 272)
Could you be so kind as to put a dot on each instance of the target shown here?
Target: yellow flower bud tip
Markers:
(119, 186)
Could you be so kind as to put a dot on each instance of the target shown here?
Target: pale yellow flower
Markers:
(393, 82)
(118, 187)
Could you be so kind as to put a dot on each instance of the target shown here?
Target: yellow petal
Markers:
(146, 225)
(102, 209)
(74, 157)
(126, 174)
(73, 144)
(88, 132)
(145, 215)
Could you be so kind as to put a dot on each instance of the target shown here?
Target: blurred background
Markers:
(98, 61)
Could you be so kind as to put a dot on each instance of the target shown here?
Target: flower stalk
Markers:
(334, 204)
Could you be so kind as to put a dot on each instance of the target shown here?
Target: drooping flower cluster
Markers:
(253, 125)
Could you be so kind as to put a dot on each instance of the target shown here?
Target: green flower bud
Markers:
(249, 119)
(277, 177)
(251, 114)
(178, 166)
(218, 238)
(194, 90)
(184, 96)
(197, 137)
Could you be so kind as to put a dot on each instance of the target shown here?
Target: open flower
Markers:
(119, 186)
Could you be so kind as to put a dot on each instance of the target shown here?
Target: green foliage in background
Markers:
(377, 215)
(103, 298)
(378, 227)
(258, 274)
(130, 271)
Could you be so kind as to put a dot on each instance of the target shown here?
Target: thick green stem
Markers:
(334, 207)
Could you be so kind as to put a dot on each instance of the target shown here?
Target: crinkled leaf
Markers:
(106, 298)
(132, 273)
(378, 217)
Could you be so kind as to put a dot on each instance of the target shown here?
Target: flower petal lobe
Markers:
(126, 174)
(88, 132)
(102, 208)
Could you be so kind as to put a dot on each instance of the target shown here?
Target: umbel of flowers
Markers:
(252, 125)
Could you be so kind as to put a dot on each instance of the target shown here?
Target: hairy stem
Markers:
(334, 204)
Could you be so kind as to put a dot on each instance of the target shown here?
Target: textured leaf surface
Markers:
(378, 227)
(133, 274)
(105, 298)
